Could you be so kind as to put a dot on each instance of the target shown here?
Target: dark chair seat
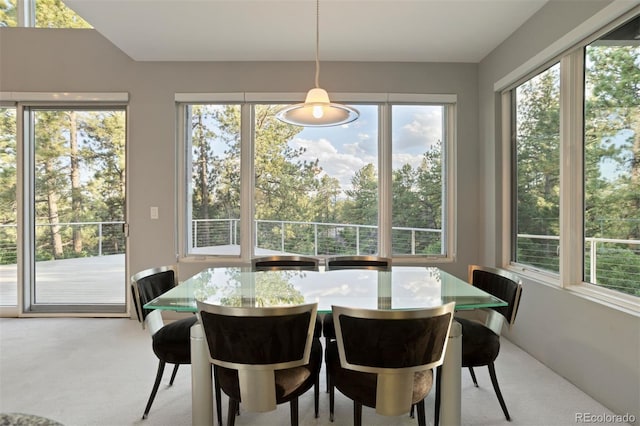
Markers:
(481, 345)
(361, 387)
(169, 341)
(290, 382)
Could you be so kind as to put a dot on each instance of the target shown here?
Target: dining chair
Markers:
(171, 341)
(384, 359)
(262, 356)
(377, 263)
(481, 336)
(283, 261)
(335, 263)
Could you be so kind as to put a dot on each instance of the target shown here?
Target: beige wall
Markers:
(594, 346)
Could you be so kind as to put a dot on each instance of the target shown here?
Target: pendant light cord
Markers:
(317, 42)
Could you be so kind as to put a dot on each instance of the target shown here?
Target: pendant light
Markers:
(317, 110)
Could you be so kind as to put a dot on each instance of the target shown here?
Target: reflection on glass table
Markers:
(400, 288)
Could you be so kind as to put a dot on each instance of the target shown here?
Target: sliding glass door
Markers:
(74, 210)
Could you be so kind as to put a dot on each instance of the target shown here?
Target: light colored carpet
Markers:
(99, 371)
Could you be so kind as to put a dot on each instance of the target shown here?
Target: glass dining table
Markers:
(400, 288)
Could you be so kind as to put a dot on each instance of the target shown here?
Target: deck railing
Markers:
(98, 239)
(315, 238)
(610, 262)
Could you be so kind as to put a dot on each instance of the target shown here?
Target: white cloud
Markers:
(401, 159)
(422, 130)
(340, 165)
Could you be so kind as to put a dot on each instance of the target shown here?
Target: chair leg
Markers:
(494, 381)
(332, 399)
(173, 375)
(156, 384)
(316, 395)
(293, 408)
(357, 414)
(436, 413)
(233, 409)
(326, 372)
(218, 393)
(473, 376)
(422, 420)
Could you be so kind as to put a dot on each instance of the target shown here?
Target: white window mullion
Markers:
(26, 13)
(571, 168)
(183, 172)
(247, 183)
(450, 186)
(508, 182)
(385, 196)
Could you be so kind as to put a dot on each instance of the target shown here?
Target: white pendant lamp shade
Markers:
(317, 110)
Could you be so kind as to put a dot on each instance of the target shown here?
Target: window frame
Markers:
(26, 13)
(572, 62)
(385, 152)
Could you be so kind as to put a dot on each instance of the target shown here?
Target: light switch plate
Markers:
(154, 212)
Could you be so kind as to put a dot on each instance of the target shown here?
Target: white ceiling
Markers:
(283, 30)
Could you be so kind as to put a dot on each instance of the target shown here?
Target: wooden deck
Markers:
(89, 280)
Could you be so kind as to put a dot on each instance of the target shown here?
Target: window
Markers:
(316, 191)
(214, 179)
(418, 179)
(576, 167)
(536, 109)
(612, 160)
(48, 14)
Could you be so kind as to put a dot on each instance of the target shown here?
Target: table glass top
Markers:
(400, 288)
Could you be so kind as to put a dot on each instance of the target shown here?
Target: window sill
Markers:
(612, 299)
(624, 302)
